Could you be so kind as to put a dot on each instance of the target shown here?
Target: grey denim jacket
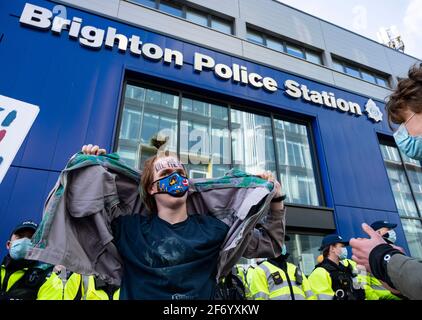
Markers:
(93, 190)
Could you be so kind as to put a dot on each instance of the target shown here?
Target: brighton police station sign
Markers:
(91, 37)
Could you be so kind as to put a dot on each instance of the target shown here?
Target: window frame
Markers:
(183, 93)
(387, 141)
(284, 43)
(185, 7)
(360, 69)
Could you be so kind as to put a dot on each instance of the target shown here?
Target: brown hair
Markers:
(408, 95)
(146, 181)
(326, 251)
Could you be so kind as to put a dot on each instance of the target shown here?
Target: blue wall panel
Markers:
(78, 91)
(30, 189)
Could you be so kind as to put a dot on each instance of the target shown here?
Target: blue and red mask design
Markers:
(174, 184)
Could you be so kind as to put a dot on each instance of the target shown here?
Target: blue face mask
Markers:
(19, 248)
(284, 250)
(411, 146)
(175, 185)
(343, 253)
(391, 236)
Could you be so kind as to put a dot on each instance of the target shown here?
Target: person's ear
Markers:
(8, 244)
(152, 189)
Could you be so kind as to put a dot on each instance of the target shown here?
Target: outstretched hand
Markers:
(361, 248)
(93, 150)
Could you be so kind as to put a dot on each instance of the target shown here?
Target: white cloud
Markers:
(412, 22)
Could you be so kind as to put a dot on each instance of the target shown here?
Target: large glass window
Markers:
(303, 250)
(405, 177)
(204, 138)
(146, 112)
(295, 163)
(252, 142)
(212, 138)
(413, 231)
(399, 183)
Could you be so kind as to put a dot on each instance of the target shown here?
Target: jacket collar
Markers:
(12, 264)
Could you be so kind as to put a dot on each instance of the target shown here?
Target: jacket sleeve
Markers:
(267, 238)
(306, 287)
(406, 275)
(320, 282)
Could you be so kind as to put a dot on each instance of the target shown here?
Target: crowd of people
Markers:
(186, 248)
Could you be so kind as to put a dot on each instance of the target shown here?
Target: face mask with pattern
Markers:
(174, 184)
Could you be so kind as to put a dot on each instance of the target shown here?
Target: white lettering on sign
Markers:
(91, 37)
(235, 72)
(327, 99)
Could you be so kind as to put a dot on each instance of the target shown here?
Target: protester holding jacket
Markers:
(164, 252)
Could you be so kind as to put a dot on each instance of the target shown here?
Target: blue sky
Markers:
(367, 17)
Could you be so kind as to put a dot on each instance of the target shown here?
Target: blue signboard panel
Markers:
(78, 90)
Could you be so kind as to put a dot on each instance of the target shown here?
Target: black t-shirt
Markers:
(165, 261)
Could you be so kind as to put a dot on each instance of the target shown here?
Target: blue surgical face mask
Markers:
(174, 184)
(391, 236)
(19, 248)
(284, 250)
(343, 253)
(411, 146)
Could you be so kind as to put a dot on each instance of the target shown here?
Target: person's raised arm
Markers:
(267, 239)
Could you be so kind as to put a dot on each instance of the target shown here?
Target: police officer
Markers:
(97, 289)
(277, 279)
(386, 230)
(20, 278)
(379, 292)
(331, 279)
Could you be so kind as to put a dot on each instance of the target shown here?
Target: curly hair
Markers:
(408, 95)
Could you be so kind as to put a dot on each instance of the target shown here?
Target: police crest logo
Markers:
(373, 111)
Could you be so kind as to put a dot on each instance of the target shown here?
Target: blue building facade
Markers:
(82, 93)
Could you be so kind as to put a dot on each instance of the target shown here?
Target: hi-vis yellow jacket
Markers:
(25, 283)
(321, 282)
(57, 289)
(94, 291)
(378, 292)
(269, 282)
(240, 272)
